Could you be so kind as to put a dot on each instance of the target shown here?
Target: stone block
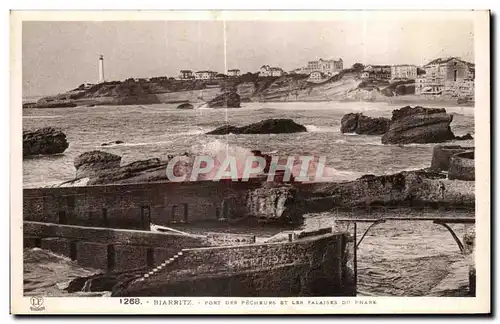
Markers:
(160, 255)
(30, 242)
(230, 239)
(93, 255)
(57, 245)
(129, 257)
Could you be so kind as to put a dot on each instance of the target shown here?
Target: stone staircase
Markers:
(160, 267)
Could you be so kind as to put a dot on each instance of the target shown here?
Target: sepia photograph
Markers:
(249, 157)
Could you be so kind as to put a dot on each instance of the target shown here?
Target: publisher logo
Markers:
(37, 304)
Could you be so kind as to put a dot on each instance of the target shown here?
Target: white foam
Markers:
(321, 129)
(43, 117)
(139, 144)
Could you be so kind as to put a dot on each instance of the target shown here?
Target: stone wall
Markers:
(441, 155)
(107, 249)
(133, 206)
(462, 167)
(306, 267)
(221, 239)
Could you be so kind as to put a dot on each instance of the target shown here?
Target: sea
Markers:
(397, 258)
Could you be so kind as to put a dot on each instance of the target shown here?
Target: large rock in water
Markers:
(268, 126)
(225, 100)
(419, 125)
(102, 168)
(95, 163)
(185, 105)
(44, 141)
(361, 124)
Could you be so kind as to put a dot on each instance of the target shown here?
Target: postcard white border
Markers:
(394, 305)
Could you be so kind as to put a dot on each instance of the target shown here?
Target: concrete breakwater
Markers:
(142, 263)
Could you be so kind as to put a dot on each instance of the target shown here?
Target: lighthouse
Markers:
(101, 69)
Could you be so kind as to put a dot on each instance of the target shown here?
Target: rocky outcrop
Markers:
(442, 153)
(185, 105)
(44, 141)
(112, 143)
(51, 104)
(361, 124)
(101, 168)
(278, 204)
(462, 167)
(268, 126)
(139, 171)
(419, 125)
(465, 137)
(407, 188)
(95, 163)
(225, 100)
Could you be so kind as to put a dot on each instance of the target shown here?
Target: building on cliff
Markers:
(317, 76)
(186, 75)
(447, 76)
(328, 67)
(233, 73)
(376, 72)
(403, 72)
(205, 75)
(266, 70)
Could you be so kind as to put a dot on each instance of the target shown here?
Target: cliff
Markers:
(345, 86)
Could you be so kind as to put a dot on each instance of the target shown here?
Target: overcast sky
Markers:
(58, 56)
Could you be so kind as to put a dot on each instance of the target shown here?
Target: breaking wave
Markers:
(321, 129)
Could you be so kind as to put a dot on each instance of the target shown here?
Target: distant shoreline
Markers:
(400, 100)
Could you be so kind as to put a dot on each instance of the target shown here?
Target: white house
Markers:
(186, 75)
(266, 70)
(328, 67)
(233, 73)
(205, 75)
(403, 72)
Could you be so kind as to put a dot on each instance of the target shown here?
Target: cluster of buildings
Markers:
(319, 70)
(390, 72)
(446, 76)
(206, 74)
(443, 76)
(449, 76)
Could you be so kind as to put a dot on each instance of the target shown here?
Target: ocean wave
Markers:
(136, 144)
(197, 131)
(321, 129)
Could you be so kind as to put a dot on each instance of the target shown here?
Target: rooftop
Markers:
(441, 60)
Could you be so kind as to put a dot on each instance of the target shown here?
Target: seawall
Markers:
(311, 266)
(142, 263)
(105, 248)
(136, 206)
